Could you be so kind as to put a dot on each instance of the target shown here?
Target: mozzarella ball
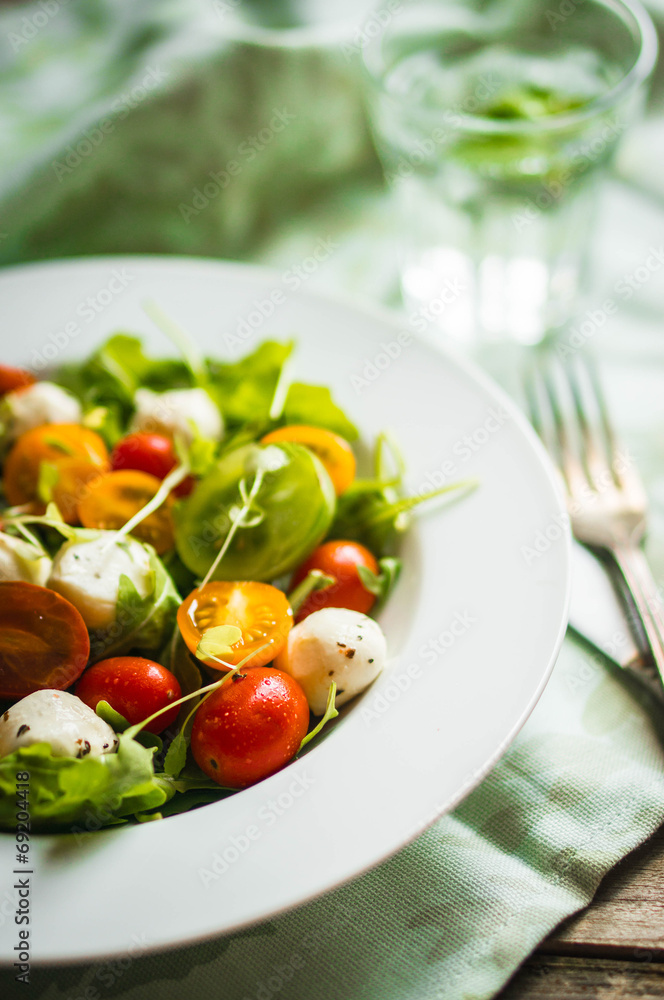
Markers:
(58, 718)
(41, 403)
(21, 561)
(334, 644)
(87, 573)
(177, 413)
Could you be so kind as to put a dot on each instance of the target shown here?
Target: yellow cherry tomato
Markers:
(334, 451)
(259, 610)
(52, 443)
(114, 498)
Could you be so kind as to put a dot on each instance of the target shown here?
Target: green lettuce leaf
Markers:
(81, 794)
(244, 389)
(313, 404)
(110, 377)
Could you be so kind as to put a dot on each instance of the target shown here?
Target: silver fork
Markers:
(606, 501)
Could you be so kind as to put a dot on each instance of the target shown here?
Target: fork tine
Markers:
(596, 445)
(542, 396)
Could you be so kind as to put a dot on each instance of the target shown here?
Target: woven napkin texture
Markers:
(119, 128)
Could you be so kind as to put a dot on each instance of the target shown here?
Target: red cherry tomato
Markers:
(338, 559)
(250, 727)
(43, 640)
(153, 453)
(134, 687)
(12, 379)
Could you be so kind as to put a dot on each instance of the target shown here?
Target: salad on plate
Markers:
(188, 565)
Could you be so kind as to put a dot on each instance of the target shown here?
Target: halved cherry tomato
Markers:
(76, 476)
(334, 451)
(115, 497)
(250, 727)
(259, 610)
(43, 640)
(12, 379)
(51, 443)
(134, 687)
(153, 453)
(339, 559)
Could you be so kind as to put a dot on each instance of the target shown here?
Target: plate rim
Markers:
(391, 319)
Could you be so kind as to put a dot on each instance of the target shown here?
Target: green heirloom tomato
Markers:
(292, 510)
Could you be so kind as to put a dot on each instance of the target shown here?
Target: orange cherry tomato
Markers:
(43, 640)
(76, 476)
(51, 443)
(114, 498)
(339, 559)
(250, 727)
(334, 452)
(259, 610)
(12, 379)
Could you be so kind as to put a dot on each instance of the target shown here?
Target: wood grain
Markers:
(614, 949)
(554, 977)
(626, 917)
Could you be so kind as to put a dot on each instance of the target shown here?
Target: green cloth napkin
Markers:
(114, 115)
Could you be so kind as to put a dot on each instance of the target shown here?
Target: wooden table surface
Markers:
(614, 949)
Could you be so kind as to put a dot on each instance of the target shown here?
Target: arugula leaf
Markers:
(370, 512)
(193, 798)
(84, 794)
(330, 713)
(381, 583)
(176, 755)
(117, 722)
(313, 404)
(313, 581)
(244, 390)
(177, 658)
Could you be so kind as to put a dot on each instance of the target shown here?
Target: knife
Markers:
(601, 613)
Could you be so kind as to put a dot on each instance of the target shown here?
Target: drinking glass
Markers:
(495, 120)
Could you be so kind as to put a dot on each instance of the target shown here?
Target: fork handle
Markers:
(641, 584)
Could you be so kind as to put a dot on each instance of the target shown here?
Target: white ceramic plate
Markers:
(474, 625)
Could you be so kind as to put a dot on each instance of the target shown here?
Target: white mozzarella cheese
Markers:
(60, 719)
(87, 573)
(179, 412)
(41, 403)
(334, 644)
